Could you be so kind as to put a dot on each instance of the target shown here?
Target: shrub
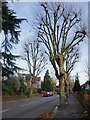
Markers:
(34, 91)
(27, 92)
(14, 82)
(39, 91)
(11, 86)
(84, 103)
(6, 88)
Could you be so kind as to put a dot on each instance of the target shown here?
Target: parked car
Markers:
(46, 94)
(50, 93)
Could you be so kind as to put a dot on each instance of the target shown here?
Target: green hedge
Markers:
(85, 104)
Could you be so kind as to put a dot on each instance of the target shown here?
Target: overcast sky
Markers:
(28, 10)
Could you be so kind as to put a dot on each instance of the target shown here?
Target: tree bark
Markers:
(31, 90)
(62, 97)
(67, 85)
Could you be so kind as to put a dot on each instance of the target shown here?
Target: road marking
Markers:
(4, 110)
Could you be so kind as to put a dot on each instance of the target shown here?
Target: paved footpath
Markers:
(71, 110)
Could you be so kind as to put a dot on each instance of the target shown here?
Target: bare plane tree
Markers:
(35, 59)
(71, 59)
(60, 29)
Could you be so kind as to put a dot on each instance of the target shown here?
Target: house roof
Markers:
(86, 83)
(27, 77)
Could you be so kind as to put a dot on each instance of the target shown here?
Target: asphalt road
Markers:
(29, 108)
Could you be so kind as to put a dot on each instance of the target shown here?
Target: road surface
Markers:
(29, 108)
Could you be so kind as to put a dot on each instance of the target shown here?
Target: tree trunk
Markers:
(67, 90)
(31, 90)
(62, 97)
(67, 86)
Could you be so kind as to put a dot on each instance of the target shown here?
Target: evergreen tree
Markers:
(46, 84)
(77, 87)
(11, 30)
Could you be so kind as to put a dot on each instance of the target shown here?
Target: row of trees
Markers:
(59, 28)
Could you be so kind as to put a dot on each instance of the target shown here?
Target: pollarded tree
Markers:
(11, 30)
(56, 29)
(35, 59)
(71, 59)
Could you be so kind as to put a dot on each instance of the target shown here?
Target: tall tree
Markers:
(71, 60)
(11, 30)
(77, 87)
(35, 59)
(47, 83)
(60, 29)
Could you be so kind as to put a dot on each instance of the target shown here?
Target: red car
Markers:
(46, 94)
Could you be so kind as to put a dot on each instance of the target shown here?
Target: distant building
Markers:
(86, 85)
(27, 81)
(37, 83)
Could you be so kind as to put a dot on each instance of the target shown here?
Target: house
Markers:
(37, 83)
(27, 81)
(86, 85)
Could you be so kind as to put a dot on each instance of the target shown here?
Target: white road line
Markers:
(4, 110)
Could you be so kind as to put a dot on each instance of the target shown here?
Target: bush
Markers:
(39, 91)
(22, 86)
(34, 91)
(11, 86)
(14, 82)
(84, 103)
(27, 92)
(6, 88)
